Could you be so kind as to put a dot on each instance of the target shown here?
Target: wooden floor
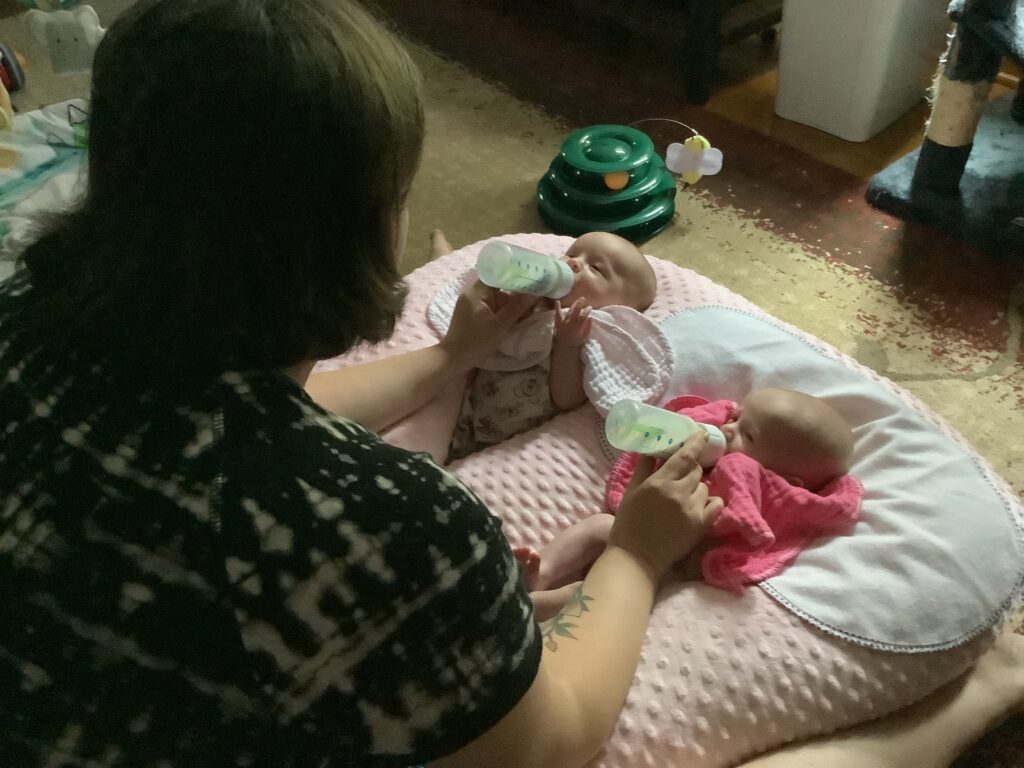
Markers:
(745, 93)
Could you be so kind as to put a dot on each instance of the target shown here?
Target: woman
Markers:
(200, 565)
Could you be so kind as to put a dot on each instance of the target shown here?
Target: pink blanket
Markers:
(766, 521)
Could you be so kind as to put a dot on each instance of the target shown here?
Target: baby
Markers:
(499, 404)
(796, 436)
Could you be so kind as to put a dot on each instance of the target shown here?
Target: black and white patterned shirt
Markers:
(221, 573)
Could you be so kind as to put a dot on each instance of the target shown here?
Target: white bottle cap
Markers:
(565, 282)
(715, 449)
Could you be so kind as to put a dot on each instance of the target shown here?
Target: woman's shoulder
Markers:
(263, 404)
(267, 416)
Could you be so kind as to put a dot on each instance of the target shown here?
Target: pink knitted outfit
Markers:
(766, 521)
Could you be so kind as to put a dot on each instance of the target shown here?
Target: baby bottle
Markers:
(635, 426)
(519, 270)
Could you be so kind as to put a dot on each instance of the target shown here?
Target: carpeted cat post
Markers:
(968, 175)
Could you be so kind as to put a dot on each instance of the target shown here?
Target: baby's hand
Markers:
(572, 329)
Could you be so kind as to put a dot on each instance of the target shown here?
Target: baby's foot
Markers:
(439, 245)
(529, 562)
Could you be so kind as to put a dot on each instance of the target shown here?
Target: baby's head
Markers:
(798, 436)
(609, 270)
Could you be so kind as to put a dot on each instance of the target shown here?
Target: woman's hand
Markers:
(572, 329)
(665, 514)
(481, 320)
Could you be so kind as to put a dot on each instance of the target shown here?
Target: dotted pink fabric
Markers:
(721, 677)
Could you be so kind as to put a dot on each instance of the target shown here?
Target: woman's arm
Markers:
(380, 393)
(593, 645)
(584, 675)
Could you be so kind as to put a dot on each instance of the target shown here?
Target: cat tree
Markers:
(968, 175)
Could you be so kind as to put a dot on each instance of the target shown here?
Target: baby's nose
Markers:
(729, 430)
(573, 265)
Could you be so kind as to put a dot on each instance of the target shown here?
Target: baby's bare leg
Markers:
(690, 568)
(568, 556)
(550, 601)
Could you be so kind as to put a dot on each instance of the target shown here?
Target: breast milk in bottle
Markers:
(515, 269)
(641, 428)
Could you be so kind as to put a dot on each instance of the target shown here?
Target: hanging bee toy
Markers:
(693, 158)
(610, 178)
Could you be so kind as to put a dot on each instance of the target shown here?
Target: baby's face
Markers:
(753, 430)
(793, 434)
(609, 270)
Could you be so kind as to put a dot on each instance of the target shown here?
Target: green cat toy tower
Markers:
(607, 178)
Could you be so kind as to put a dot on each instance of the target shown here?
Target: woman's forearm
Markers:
(592, 648)
(591, 651)
(380, 393)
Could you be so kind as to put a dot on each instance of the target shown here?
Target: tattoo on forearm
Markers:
(559, 624)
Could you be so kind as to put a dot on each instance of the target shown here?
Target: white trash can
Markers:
(851, 67)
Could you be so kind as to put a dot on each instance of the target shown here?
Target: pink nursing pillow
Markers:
(721, 677)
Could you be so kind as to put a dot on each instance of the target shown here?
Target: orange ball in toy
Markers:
(616, 181)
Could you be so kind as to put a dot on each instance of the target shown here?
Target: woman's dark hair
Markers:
(248, 162)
